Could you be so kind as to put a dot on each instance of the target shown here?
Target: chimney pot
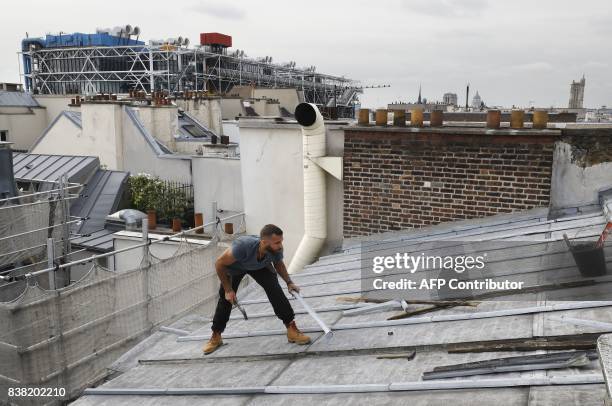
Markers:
(399, 118)
(517, 119)
(436, 118)
(416, 117)
(493, 119)
(381, 117)
(540, 119)
(364, 117)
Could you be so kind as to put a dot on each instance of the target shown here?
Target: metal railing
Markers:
(141, 245)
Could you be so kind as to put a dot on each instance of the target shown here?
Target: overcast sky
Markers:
(518, 52)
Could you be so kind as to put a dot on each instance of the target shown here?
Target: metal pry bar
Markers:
(241, 309)
(328, 333)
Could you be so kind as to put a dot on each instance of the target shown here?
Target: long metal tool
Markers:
(236, 304)
(328, 333)
(577, 361)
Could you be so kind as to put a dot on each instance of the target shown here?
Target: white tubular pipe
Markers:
(315, 214)
(576, 379)
(427, 319)
(313, 314)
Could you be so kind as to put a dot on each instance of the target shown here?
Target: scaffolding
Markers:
(174, 69)
(35, 229)
(68, 337)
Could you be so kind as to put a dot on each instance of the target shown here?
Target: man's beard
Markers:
(272, 250)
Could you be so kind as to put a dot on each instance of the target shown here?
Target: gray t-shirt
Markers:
(244, 249)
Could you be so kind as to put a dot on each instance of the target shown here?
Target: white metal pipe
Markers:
(12, 206)
(584, 322)
(313, 314)
(427, 319)
(315, 214)
(576, 379)
(46, 192)
(40, 229)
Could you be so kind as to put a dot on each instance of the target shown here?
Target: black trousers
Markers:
(269, 282)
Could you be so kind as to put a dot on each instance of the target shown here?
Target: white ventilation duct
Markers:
(315, 164)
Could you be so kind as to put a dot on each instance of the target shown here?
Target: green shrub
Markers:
(151, 193)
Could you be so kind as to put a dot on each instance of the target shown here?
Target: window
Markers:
(3, 135)
(194, 131)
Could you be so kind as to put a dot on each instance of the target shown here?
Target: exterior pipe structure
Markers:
(315, 214)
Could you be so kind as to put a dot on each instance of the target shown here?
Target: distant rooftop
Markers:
(17, 99)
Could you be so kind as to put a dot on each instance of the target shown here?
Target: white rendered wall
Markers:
(573, 185)
(141, 157)
(24, 125)
(220, 180)
(161, 122)
(232, 108)
(54, 104)
(288, 98)
(101, 136)
(52, 143)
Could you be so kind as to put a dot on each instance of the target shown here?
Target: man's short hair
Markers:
(270, 229)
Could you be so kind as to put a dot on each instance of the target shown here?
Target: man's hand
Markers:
(293, 287)
(230, 296)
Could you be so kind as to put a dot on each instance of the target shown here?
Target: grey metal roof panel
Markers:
(350, 357)
(100, 198)
(74, 116)
(101, 241)
(51, 167)
(17, 99)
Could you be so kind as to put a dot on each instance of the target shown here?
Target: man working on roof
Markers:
(254, 256)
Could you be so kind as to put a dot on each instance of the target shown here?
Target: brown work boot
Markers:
(294, 335)
(214, 343)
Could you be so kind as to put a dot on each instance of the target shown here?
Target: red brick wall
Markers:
(470, 175)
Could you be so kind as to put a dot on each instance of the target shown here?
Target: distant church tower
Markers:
(476, 101)
(577, 94)
(419, 101)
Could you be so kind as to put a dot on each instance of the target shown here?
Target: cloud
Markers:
(600, 24)
(532, 67)
(447, 8)
(596, 65)
(218, 10)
